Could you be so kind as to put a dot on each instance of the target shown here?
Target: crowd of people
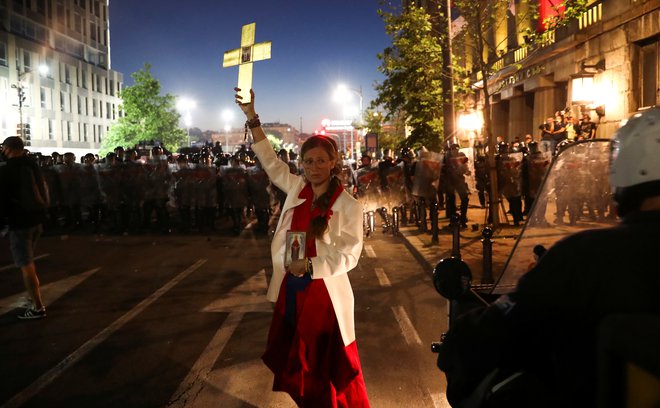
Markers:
(563, 126)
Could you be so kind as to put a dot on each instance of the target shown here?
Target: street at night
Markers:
(182, 320)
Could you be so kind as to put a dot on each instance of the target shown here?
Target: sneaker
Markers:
(31, 313)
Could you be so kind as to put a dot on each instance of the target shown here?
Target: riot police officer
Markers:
(509, 169)
(456, 168)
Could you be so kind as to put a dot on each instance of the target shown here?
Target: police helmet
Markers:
(533, 146)
(634, 164)
(562, 145)
(407, 153)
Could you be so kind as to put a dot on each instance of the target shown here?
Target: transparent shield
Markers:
(574, 196)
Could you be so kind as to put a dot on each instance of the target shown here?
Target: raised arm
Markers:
(253, 119)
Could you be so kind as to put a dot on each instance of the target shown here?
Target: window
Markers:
(41, 7)
(61, 16)
(68, 131)
(92, 31)
(77, 22)
(51, 126)
(85, 132)
(27, 60)
(99, 83)
(100, 109)
(42, 96)
(86, 107)
(80, 102)
(67, 74)
(3, 54)
(94, 109)
(18, 6)
(108, 111)
(648, 73)
(83, 78)
(62, 101)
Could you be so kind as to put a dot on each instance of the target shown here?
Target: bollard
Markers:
(421, 209)
(456, 236)
(386, 219)
(487, 234)
(434, 222)
(371, 222)
(395, 221)
(404, 213)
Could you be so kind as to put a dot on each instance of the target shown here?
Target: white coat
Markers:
(336, 253)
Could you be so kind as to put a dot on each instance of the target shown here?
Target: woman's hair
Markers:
(319, 224)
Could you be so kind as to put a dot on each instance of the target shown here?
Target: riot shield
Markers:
(396, 193)
(509, 174)
(368, 191)
(575, 185)
(427, 175)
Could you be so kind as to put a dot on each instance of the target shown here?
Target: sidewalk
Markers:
(471, 247)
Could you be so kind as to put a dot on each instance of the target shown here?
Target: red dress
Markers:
(305, 350)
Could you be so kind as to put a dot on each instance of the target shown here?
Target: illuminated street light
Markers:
(471, 122)
(185, 106)
(342, 96)
(227, 117)
(20, 89)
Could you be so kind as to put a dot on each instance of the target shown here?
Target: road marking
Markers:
(50, 292)
(407, 328)
(250, 296)
(370, 251)
(382, 277)
(12, 266)
(49, 376)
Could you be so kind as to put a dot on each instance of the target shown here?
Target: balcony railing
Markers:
(591, 16)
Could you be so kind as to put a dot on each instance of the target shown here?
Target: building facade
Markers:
(605, 63)
(56, 54)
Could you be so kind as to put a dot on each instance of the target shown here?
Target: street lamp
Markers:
(342, 96)
(227, 117)
(20, 89)
(185, 105)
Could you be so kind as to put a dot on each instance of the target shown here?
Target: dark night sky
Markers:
(316, 45)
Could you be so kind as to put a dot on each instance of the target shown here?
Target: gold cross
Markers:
(244, 57)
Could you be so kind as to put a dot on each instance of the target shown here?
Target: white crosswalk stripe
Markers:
(382, 277)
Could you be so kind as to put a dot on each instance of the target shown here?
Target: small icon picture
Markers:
(246, 54)
(295, 246)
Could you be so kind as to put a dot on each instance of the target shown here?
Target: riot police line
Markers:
(415, 188)
(127, 194)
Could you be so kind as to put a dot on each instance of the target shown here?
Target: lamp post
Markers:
(185, 105)
(227, 116)
(471, 122)
(342, 96)
(20, 89)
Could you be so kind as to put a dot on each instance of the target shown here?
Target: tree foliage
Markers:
(413, 75)
(148, 115)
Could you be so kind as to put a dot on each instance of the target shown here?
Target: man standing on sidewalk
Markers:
(23, 202)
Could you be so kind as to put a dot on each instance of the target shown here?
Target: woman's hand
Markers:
(247, 108)
(297, 268)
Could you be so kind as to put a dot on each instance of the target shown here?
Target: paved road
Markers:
(181, 321)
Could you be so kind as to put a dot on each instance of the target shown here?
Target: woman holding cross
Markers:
(311, 343)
